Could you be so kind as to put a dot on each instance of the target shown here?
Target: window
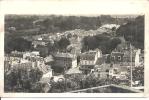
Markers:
(119, 57)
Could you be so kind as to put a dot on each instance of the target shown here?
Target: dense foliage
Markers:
(101, 41)
(52, 23)
(21, 80)
(133, 31)
(16, 43)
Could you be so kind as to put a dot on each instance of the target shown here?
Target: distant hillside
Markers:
(45, 24)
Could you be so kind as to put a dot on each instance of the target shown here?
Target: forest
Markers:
(132, 31)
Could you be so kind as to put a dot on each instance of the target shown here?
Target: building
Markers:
(117, 57)
(118, 72)
(35, 43)
(102, 71)
(88, 60)
(47, 71)
(110, 26)
(31, 54)
(16, 54)
(74, 71)
(65, 60)
(126, 55)
(14, 57)
(49, 59)
(26, 65)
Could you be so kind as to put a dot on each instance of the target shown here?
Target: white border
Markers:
(77, 8)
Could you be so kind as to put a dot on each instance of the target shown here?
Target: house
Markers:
(102, 71)
(26, 65)
(137, 58)
(31, 54)
(48, 72)
(73, 71)
(14, 57)
(88, 60)
(110, 26)
(118, 72)
(65, 60)
(117, 57)
(74, 48)
(35, 43)
(126, 55)
(16, 54)
(48, 59)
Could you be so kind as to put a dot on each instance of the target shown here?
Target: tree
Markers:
(16, 43)
(43, 50)
(19, 79)
(63, 43)
(138, 75)
(101, 41)
(133, 32)
(10, 80)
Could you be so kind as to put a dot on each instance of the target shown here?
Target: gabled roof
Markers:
(74, 71)
(88, 55)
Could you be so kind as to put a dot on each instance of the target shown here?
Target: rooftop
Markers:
(88, 55)
(64, 55)
(74, 71)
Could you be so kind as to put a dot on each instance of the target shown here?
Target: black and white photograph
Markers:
(74, 48)
(74, 54)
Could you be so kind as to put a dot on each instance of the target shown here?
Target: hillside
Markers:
(34, 24)
(133, 31)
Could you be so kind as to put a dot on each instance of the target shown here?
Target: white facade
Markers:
(74, 63)
(48, 74)
(87, 60)
(137, 57)
(118, 74)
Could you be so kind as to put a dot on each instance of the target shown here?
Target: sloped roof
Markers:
(64, 55)
(73, 71)
(88, 55)
(48, 58)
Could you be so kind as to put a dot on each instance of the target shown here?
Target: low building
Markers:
(110, 26)
(65, 60)
(26, 65)
(88, 60)
(49, 59)
(126, 55)
(31, 54)
(47, 72)
(117, 57)
(119, 72)
(35, 43)
(74, 71)
(16, 54)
